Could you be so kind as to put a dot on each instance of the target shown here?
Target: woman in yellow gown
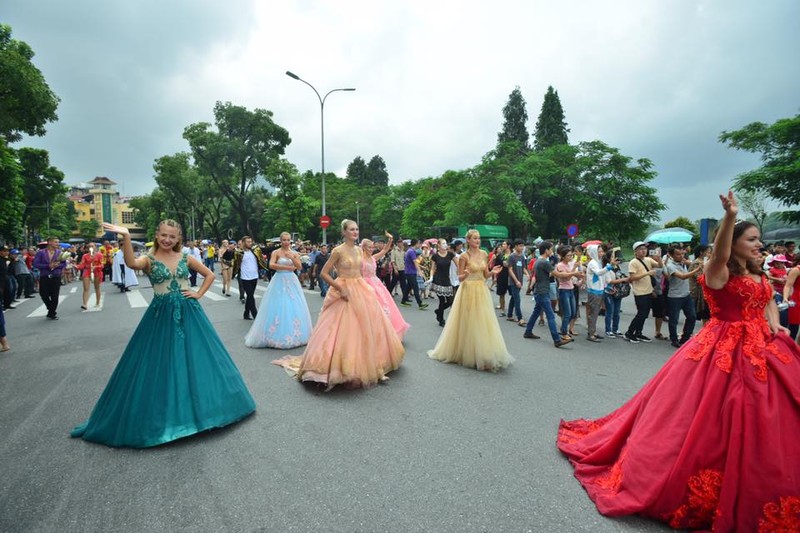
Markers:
(353, 343)
(472, 336)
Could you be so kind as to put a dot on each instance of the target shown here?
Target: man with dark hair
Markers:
(678, 298)
(541, 295)
(5, 287)
(50, 265)
(246, 264)
(516, 275)
(789, 253)
(642, 275)
(411, 263)
(319, 262)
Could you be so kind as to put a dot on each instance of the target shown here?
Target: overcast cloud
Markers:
(655, 79)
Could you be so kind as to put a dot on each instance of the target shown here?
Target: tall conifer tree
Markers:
(551, 129)
(515, 123)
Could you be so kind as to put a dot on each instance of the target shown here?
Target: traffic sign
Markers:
(572, 230)
(324, 221)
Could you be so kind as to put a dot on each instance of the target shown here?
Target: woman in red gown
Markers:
(712, 441)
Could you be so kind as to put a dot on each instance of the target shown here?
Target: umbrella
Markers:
(149, 244)
(432, 242)
(590, 243)
(65, 245)
(670, 235)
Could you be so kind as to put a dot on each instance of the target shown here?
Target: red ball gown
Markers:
(712, 441)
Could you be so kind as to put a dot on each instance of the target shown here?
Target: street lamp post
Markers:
(322, 136)
(358, 215)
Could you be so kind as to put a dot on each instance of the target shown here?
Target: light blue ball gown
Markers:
(283, 320)
(175, 377)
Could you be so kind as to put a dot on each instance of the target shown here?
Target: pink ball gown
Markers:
(384, 298)
(353, 343)
(712, 441)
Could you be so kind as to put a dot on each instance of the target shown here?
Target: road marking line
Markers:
(42, 309)
(135, 299)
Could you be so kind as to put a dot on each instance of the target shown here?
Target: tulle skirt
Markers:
(353, 343)
(174, 379)
(283, 320)
(704, 444)
(472, 336)
(389, 306)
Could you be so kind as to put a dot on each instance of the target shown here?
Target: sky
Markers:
(657, 80)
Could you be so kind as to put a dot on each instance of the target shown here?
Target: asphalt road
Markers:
(438, 448)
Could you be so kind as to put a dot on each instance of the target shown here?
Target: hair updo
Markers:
(346, 222)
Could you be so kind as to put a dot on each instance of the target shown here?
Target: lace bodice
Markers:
(285, 261)
(742, 298)
(476, 266)
(349, 263)
(164, 281)
(737, 320)
(368, 267)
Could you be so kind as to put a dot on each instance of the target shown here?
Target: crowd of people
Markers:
(743, 292)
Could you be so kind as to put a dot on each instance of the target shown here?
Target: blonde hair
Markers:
(287, 234)
(472, 232)
(346, 222)
(366, 244)
(172, 224)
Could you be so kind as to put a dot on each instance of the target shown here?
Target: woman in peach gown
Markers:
(472, 336)
(353, 343)
(384, 298)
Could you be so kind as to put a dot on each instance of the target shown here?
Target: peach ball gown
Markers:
(353, 343)
(472, 336)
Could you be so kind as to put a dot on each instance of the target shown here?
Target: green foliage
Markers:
(613, 197)
(149, 211)
(12, 203)
(290, 209)
(779, 175)
(44, 191)
(515, 122)
(357, 171)
(369, 174)
(243, 148)
(87, 229)
(551, 128)
(26, 101)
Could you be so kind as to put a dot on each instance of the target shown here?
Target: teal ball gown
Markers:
(175, 377)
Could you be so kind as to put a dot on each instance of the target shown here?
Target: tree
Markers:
(551, 129)
(779, 175)
(12, 204)
(685, 223)
(26, 100)
(754, 202)
(357, 171)
(244, 146)
(43, 189)
(377, 175)
(613, 197)
(515, 122)
(290, 209)
(87, 229)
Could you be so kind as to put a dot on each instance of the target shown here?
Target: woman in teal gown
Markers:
(175, 377)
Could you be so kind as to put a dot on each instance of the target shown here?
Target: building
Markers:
(99, 200)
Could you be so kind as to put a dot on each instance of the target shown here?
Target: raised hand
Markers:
(388, 235)
(122, 230)
(729, 204)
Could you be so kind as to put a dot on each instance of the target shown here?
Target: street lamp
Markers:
(358, 215)
(322, 136)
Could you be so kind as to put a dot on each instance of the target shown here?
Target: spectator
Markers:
(5, 287)
(50, 265)
(411, 277)
(701, 255)
(319, 263)
(541, 295)
(565, 273)
(23, 275)
(515, 266)
(617, 288)
(678, 298)
(641, 271)
(595, 287)
(777, 274)
(397, 256)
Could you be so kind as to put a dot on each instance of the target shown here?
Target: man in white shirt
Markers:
(246, 264)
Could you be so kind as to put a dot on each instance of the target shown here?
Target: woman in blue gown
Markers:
(283, 320)
(175, 377)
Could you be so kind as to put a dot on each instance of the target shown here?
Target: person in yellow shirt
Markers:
(211, 256)
(641, 271)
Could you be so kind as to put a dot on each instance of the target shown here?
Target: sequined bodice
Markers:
(164, 281)
(476, 266)
(742, 298)
(349, 263)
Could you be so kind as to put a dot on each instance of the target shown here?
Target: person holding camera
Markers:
(641, 272)
(678, 299)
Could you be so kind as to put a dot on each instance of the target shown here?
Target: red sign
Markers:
(324, 221)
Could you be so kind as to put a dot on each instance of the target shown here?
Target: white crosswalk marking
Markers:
(73, 290)
(91, 305)
(136, 299)
(214, 296)
(42, 309)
